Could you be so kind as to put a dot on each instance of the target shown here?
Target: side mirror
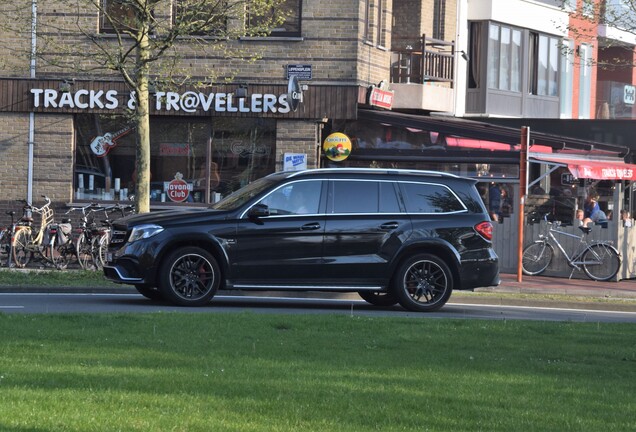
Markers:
(258, 211)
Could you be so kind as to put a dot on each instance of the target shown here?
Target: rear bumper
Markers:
(481, 272)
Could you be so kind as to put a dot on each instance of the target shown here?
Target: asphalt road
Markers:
(35, 303)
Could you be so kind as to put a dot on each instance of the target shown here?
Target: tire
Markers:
(100, 248)
(5, 248)
(149, 292)
(60, 254)
(85, 253)
(189, 276)
(21, 253)
(536, 258)
(423, 283)
(609, 262)
(376, 298)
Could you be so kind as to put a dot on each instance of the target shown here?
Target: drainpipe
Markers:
(30, 143)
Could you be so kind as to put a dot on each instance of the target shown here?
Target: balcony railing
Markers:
(420, 59)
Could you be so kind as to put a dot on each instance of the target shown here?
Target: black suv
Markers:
(393, 236)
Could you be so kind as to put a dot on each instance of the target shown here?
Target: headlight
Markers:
(144, 232)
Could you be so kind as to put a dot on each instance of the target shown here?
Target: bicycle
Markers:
(100, 243)
(598, 259)
(45, 243)
(83, 245)
(6, 235)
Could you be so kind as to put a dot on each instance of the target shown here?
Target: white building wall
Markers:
(521, 13)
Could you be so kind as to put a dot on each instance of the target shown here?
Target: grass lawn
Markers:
(257, 372)
(53, 278)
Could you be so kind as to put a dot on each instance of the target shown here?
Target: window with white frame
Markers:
(585, 80)
(566, 73)
(368, 17)
(381, 37)
(504, 58)
(543, 65)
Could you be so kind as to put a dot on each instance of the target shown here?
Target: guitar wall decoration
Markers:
(101, 145)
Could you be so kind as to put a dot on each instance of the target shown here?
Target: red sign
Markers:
(174, 149)
(178, 190)
(381, 98)
(603, 171)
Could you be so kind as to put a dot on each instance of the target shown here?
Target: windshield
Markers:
(243, 195)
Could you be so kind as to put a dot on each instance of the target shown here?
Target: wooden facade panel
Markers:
(318, 101)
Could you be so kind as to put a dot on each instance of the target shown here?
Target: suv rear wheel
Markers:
(189, 276)
(423, 283)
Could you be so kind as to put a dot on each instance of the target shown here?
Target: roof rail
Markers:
(376, 170)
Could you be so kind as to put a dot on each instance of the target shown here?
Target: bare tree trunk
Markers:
(142, 188)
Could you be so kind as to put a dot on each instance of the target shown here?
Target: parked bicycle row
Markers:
(36, 238)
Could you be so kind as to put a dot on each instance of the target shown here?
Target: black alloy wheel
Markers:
(189, 276)
(423, 283)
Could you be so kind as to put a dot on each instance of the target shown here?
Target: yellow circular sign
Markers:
(337, 146)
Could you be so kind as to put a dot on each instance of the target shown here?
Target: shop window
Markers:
(282, 21)
(199, 21)
(117, 16)
(192, 160)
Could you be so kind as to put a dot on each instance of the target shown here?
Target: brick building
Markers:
(66, 133)
(239, 129)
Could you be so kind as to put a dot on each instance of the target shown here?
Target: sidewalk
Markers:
(624, 289)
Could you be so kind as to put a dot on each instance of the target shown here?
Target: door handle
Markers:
(389, 226)
(310, 226)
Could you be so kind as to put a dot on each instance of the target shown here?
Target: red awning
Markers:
(586, 168)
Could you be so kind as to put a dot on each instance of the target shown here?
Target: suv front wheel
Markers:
(189, 276)
(423, 283)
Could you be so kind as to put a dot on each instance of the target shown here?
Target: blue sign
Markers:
(302, 72)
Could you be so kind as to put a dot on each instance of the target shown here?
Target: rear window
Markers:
(430, 198)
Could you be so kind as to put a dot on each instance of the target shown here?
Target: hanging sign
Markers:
(337, 146)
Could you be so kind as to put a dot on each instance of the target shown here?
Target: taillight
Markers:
(484, 229)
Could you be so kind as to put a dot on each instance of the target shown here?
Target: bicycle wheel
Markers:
(5, 247)
(100, 250)
(21, 253)
(601, 262)
(537, 257)
(59, 254)
(84, 250)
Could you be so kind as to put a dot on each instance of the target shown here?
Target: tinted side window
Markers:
(359, 196)
(355, 197)
(388, 198)
(302, 197)
(430, 198)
